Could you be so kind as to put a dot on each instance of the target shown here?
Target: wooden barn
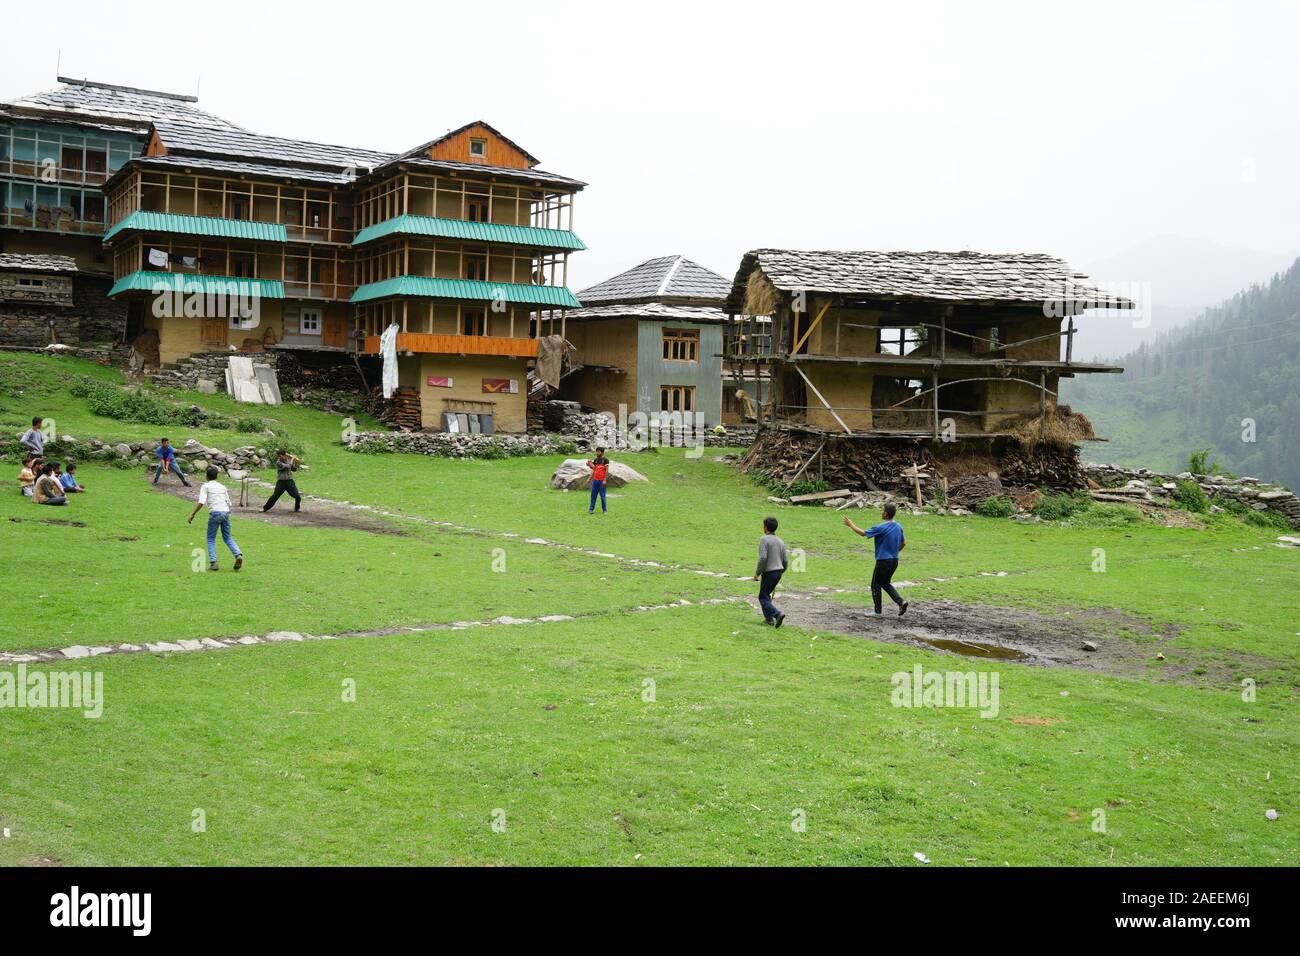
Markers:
(933, 345)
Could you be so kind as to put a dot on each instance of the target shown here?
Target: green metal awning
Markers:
(473, 231)
(200, 226)
(157, 282)
(476, 289)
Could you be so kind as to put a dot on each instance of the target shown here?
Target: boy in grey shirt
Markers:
(772, 562)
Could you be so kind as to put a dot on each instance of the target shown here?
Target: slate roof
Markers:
(129, 107)
(501, 172)
(188, 139)
(650, 311)
(21, 262)
(956, 277)
(674, 279)
(238, 167)
(460, 129)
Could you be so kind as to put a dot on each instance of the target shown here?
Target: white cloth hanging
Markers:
(157, 257)
(388, 349)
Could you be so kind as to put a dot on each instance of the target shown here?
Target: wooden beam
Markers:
(813, 387)
(809, 331)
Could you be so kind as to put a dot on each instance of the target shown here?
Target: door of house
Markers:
(335, 335)
(214, 333)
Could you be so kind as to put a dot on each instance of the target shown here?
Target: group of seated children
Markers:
(48, 483)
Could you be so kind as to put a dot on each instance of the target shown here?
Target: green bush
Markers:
(996, 508)
(370, 446)
(1058, 507)
(250, 425)
(1199, 463)
(1189, 496)
(1259, 519)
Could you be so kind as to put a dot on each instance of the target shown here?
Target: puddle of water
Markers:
(976, 649)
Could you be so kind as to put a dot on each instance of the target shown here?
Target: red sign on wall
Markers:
(439, 381)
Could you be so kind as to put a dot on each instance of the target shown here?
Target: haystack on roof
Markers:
(1012, 279)
(126, 107)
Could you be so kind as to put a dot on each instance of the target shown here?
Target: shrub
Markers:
(996, 508)
(1058, 507)
(250, 425)
(1199, 463)
(1189, 496)
(492, 451)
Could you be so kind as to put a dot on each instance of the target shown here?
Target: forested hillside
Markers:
(1203, 384)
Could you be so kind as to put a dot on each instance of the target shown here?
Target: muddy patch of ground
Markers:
(1126, 645)
(314, 514)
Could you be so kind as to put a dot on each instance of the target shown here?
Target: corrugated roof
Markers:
(667, 279)
(135, 107)
(475, 289)
(474, 231)
(182, 282)
(15, 261)
(191, 139)
(1007, 278)
(200, 226)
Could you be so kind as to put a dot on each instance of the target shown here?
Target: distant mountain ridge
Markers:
(1181, 276)
(1229, 380)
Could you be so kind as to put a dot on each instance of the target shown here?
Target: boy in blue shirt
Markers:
(167, 462)
(889, 542)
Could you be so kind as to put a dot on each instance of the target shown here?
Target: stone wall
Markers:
(1154, 486)
(77, 313)
(448, 445)
(208, 368)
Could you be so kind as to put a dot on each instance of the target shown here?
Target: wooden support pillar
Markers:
(1042, 404)
(1069, 341)
(934, 384)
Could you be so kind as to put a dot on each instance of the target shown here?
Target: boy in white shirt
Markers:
(217, 497)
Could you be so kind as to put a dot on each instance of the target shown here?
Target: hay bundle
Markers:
(1064, 427)
(760, 294)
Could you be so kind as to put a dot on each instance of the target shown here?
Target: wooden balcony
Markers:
(458, 345)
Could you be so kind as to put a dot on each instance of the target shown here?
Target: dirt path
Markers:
(1126, 645)
(316, 513)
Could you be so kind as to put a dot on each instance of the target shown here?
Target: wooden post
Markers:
(934, 383)
(1069, 342)
(1042, 404)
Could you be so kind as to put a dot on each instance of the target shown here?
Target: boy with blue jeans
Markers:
(889, 542)
(217, 497)
(167, 462)
(599, 473)
(772, 562)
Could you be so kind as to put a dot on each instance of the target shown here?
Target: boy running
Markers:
(889, 542)
(285, 465)
(216, 496)
(167, 462)
(772, 562)
(599, 472)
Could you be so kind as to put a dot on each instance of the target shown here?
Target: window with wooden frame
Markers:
(473, 321)
(899, 340)
(309, 322)
(681, 345)
(476, 267)
(478, 149)
(242, 266)
(677, 398)
(476, 210)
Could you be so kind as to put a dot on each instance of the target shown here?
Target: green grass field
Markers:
(688, 735)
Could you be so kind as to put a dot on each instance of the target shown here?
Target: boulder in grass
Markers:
(574, 475)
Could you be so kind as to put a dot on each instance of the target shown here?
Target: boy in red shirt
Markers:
(599, 471)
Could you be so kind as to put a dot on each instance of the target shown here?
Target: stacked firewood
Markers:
(974, 490)
(401, 411)
(1043, 466)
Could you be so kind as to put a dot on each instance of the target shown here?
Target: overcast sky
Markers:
(711, 128)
